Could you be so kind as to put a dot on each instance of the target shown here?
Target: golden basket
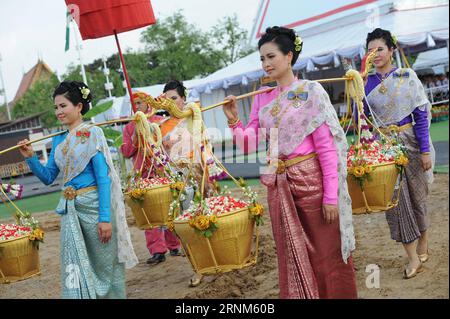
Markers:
(19, 260)
(229, 247)
(378, 192)
(153, 210)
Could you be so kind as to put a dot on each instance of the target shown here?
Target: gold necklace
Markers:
(382, 89)
(277, 119)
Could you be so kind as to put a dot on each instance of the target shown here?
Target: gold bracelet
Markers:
(425, 153)
(233, 123)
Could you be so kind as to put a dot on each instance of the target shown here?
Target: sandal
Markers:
(413, 272)
(424, 257)
(194, 282)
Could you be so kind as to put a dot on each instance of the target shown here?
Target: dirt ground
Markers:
(170, 279)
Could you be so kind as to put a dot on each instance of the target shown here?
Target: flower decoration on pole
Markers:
(15, 190)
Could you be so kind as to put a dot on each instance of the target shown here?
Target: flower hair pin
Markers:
(394, 39)
(85, 92)
(298, 43)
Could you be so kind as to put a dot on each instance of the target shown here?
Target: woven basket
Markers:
(19, 260)
(153, 210)
(229, 247)
(378, 192)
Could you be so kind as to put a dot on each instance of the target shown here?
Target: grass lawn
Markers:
(31, 204)
(439, 131)
(231, 184)
(441, 169)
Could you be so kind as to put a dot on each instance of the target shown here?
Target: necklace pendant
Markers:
(275, 110)
(296, 104)
(383, 89)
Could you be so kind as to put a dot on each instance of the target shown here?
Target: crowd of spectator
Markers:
(436, 86)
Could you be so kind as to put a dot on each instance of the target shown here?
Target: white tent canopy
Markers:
(431, 59)
(344, 37)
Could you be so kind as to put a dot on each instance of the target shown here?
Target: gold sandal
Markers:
(424, 257)
(413, 273)
(194, 282)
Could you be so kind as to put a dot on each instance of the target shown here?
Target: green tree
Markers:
(38, 99)
(96, 79)
(178, 49)
(231, 40)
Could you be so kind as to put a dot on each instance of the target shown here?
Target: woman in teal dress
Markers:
(95, 240)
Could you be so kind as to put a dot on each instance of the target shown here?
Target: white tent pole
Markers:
(448, 49)
(78, 48)
(399, 60)
(4, 91)
(255, 22)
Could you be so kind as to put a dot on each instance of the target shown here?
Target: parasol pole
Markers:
(125, 73)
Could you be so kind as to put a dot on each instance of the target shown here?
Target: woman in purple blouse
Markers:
(397, 99)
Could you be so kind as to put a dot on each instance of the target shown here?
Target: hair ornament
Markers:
(85, 92)
(298, 43)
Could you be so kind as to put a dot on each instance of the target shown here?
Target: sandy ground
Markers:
(170, 279)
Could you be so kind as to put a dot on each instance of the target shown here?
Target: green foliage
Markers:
(38, 99)
(98, 109)
(113, 136)
(231, 40)
(179, 50)
(96, 80)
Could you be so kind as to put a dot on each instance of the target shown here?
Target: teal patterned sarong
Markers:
(89, 268)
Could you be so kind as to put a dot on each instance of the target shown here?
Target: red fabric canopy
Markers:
(99, 18)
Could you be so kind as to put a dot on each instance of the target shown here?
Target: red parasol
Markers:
(100, 18)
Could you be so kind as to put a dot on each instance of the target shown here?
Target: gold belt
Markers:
(282, 165)
(70, 193)
(395, 128)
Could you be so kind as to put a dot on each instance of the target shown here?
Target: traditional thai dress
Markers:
(179, 145)
(400, 103)
(158, 239)
(308, 147)
(91, 194)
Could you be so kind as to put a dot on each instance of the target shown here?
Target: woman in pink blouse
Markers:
(308, 199)
(158, 239)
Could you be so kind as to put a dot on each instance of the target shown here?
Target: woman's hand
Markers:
(25, 149)
(230, 109)
(426, 161)
(104, 232)
(330, 213)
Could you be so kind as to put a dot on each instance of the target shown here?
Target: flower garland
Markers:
(15, 190)
(215, 172)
